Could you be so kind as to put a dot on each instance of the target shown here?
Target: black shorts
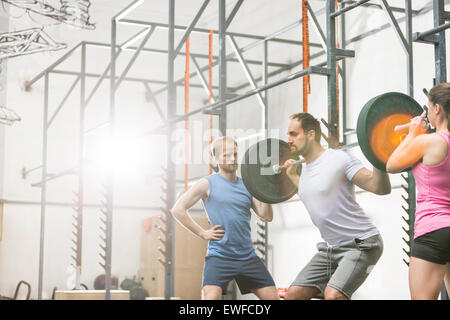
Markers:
(433, 246)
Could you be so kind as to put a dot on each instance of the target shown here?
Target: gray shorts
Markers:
(344, 268)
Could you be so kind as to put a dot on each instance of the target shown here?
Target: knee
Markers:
(289, 296)
(211, 293)
(210, 296)
(333, 294)
(297, 293)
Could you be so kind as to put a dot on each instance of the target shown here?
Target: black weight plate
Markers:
(377, 109)
(258, 175)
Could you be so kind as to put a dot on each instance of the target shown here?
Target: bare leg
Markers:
(211, 293)
(425, 279)
(447, 279)
(266, 293)
(301, 293)
(334, 294)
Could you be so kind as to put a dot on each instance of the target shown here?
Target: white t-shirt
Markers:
(328, 194)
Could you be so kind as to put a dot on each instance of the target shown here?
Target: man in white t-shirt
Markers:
(326, 186)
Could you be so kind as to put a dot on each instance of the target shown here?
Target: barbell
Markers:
(377, 137)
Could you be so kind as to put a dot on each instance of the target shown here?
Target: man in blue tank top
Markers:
(227, 202)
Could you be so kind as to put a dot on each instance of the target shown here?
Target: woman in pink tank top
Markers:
(429, 156)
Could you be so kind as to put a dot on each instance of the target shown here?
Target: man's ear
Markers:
(213, 163)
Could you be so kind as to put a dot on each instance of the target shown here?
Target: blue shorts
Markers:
(249, 274)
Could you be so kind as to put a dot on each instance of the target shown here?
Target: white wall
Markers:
(379, 66)
(4, 25)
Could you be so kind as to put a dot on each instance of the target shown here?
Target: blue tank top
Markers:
(229, 205)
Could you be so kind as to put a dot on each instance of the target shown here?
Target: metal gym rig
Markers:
(226, 96)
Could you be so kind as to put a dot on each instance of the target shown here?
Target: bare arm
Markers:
(411, 150)
(263, 210)
(407, 154)
(199, 191)
(375, 181)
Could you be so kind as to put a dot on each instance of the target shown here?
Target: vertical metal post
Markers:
(110, 177)
(43, 189)
(410, 91)
(265, 93)
(266, 133)
(409, 40)
(171, 169)
(439, 46)
(222, 66)
(81, 166)
(411, 205)
(333, 115)
(344, 77)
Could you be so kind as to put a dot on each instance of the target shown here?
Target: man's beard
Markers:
(301, 152)
(230, 167)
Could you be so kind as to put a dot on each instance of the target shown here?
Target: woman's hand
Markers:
(418, 125)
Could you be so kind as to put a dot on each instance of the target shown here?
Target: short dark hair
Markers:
(308, 122)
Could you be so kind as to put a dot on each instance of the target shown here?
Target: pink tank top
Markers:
(433, 194)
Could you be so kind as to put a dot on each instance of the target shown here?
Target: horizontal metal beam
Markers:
(364, 35)
(377, 6)
(229, 56)
(348, 8)
(344, 53)
(202, 30)
(425, 36)
(146, 209)
(96, 75)
(195, 55)
(50, 177)
(278, 71)
(447, 15)
(319, 70)
(311, 70)
(51, 67)
(357, 38)
(394, 9)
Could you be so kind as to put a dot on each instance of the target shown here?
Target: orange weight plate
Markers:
(376, 123)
